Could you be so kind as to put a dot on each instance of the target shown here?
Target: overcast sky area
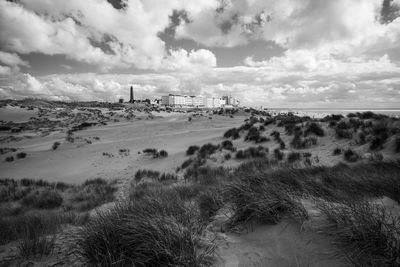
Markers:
(286, 53)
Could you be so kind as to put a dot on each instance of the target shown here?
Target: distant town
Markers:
(182, 101)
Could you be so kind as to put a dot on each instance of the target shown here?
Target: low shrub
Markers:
(158, 230)
(381, 134)
(207, 150)
(9, 158)
(299, 143)
(55, 145)
(367, 233)
(45, 199)
(92, 193)
(344, 133)
(227, 145)
(252, 152)
(337, 151)
(350, 155)
(227, 156)
(210, 201)
(397, 145)
(293, 156)
(163, 153)
(254, 199)
(150, 150)
(278, 154)
(167, 177)
(21, 155)
(140, 174)
(188, 191)
(253, 134)
(314, 128)
(186, 163)
(191, 150)
(28, 228)
(206, 175)
(233, 132)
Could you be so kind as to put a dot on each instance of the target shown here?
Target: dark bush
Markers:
(206, 175)
(55, 145)
(278, 154)
(46, 199)
(207, 149)
(9, 158)
(397, 144)
(140, 174)
(252, 152)
(150, 150)
(315, 129)
(159, 229)
(268, 122)
(191, 150)
(227, 156)
(21, 155)
(350, 156)
(367, 233)
(210, 201)
(253, 134)
(341, 133)
(254, 199)
(167, 177)
(186, 163)
(337, 151)
(227, 145)
(163, 153)
(234, 133)
(381, 134)
(293, 156)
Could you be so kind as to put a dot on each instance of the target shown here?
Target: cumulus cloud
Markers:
(12, 59)
(92, 32)
(334, 52)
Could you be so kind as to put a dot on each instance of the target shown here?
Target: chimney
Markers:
(131, 98)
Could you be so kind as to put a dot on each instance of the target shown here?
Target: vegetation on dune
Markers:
(252, 152)
(314, 128)
(350, 155)
(9, 158)
(55, 145)
(158, 229)
(255, 200)
(191, 150)
(367, 233)
(207, 150)
(155, 153)
(45, 199)
(210, 201)
(228, 145)
(234, 133)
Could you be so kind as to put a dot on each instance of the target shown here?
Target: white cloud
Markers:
(5, 70)
(335, 52)
(12, 59)
(93, 32)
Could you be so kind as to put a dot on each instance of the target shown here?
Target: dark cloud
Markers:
(118, 4)
(389, 11)
(177, 17)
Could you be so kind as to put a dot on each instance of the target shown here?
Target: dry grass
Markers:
(368, 234)
(157, 229)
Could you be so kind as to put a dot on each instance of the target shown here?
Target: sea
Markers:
(320, 113)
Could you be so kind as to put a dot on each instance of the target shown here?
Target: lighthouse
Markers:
(131, 99)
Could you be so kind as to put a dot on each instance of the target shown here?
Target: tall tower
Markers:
(131, 99)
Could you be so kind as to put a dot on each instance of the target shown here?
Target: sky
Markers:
(286, 53)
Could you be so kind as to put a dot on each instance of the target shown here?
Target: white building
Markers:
(198, 101)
